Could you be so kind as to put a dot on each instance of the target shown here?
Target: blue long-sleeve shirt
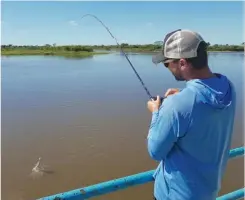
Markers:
(190, 135)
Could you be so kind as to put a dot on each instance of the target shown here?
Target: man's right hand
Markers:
(171, 91)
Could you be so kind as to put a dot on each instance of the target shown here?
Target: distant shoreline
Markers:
(80, 51)
(82, 54)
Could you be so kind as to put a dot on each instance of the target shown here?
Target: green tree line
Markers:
(136, 47)
(75, 48)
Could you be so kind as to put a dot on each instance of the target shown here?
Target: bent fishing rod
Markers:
(147, 91)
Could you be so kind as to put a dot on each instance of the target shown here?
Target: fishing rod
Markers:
(147, 91)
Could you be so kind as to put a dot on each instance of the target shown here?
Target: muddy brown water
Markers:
(87, 119)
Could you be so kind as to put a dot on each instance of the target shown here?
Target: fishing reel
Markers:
(155, 98)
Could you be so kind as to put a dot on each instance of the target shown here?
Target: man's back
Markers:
(199, 122)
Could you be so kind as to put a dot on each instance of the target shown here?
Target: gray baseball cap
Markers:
(178, 44)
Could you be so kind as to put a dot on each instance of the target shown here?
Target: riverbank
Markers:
(157, 48)
(83, 54)
(78, 54)
(90, 50)
(142, 51)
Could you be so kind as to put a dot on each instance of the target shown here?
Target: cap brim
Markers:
(156, 59)
(160, 58)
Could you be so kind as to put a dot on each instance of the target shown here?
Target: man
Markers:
(191, 130)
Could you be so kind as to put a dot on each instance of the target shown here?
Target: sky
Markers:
(59, 22)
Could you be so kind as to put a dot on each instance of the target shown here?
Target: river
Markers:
(87, 119)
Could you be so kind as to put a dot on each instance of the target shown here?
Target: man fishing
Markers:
(191, 130)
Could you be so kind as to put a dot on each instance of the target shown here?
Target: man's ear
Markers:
(182, 63)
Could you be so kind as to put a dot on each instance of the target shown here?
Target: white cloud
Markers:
(73, 23)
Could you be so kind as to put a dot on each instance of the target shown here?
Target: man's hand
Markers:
(171, 91)
(154, 105)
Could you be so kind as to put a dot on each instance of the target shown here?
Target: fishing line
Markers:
(147, 91)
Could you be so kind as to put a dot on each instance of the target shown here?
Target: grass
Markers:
(83, 53)
(20, 52)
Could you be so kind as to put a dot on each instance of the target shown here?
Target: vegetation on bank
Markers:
(66, 51)
(158, 45)
(84, 51)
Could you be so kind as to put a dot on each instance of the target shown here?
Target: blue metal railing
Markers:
(238, 194)
(133, 180)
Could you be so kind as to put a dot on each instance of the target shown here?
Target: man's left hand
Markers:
(154, 105)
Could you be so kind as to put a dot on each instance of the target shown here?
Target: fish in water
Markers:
(38, 170)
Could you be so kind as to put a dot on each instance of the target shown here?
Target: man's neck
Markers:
(204, 73)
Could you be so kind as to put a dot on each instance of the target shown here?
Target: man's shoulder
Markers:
(181, 101)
